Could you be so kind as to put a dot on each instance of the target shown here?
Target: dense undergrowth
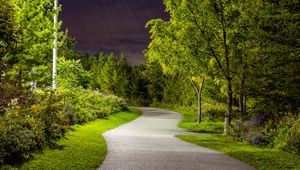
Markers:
(46, 118)
(281, 132)
(84, 143)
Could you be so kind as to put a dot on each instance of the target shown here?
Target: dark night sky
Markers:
(111, 25)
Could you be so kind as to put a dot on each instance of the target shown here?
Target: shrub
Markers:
(285, 134)
(253, 130)
(28, 128)
(279, 132)
(21, 133)
(213, 111)
(49, 107)
(81, 105)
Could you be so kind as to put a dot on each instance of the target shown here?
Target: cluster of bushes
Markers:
(84, 105)
(31, 116)
(279, 132)
(28, 128)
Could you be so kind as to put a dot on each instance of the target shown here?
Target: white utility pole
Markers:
(54, 69)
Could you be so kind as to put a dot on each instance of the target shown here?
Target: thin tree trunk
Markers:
(229, 107)
(241, 105)
(200, 102)
(242, 95)
(199, 109)
(199, 96)
(245, 103)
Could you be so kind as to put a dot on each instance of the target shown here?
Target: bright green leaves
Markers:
(33, 48)
(110, 75)
(71, 74)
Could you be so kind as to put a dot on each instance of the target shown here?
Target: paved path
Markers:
(148, 143)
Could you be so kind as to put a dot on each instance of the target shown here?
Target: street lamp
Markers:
(54, 69)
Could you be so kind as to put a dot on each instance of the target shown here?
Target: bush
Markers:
(253, 131)
(49, 107)
(285, 134)
(21, 134)
(30, 127)
(83, 105)
(279, 132)
(213, 111)
(25, 129)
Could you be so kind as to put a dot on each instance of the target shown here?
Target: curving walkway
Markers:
(148, 143)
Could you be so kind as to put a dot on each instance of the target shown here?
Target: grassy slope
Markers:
(84, 148)
(260, 158)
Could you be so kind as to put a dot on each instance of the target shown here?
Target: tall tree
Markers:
(155, 78)
(123, 74)
(30, 58)
(275, 47)
(138, 85)
(201, 32)
(96, 68)
(8, 31)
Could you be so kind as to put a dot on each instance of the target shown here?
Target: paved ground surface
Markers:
(148, 143)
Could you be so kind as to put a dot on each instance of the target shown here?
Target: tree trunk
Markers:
(241, 105)
(245, 103)
(200, 102)
(199, 95)
(199, 109)
(229, 106)
(242, 96)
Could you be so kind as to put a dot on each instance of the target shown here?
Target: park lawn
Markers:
(260, 158)
(189, 122)
(84, 147)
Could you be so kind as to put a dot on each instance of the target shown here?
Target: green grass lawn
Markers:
(260, 158)
(84, 147)
(189, 122)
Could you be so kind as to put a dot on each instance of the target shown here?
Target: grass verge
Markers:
(190, 117)
(83, 148)
(260, 158)
(188, 122)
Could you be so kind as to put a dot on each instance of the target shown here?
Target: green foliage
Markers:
(46, 119)
(71, 74)
(211, 123)
(84, 105)
(49, 106)
(284, 134)
(30, 128)
(155, 78)
(247, 51)
(111, 75)
(31, 116)
(138, 86)
(8, 30)
(28, 60)
(123, 76)
(22, 132)
(84, 144)
(279, 132)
